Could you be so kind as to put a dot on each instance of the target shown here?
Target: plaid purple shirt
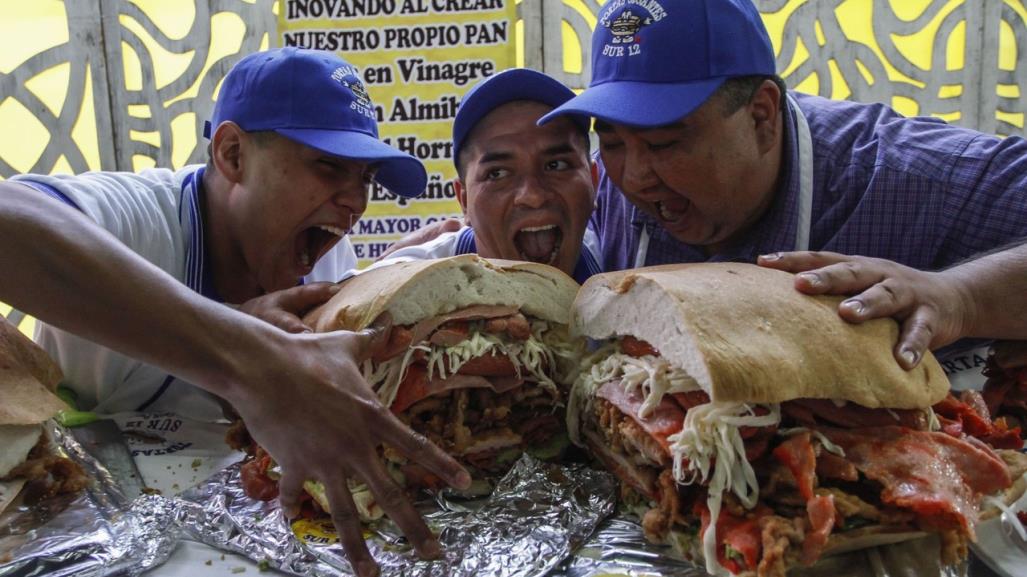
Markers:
(917, 191)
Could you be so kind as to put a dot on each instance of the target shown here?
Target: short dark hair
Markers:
(737, 91)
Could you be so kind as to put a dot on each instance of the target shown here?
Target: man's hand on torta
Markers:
(326, 424)
(930, 309)
(285, 308)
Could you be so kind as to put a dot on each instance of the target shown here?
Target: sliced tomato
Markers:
(742, 534)
(797, 454)
(255, 481)
(489, 366)
(821, 512)
(691, 399)
(399, 339)
(413, 388)
(636, 347)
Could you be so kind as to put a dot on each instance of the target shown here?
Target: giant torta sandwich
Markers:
(754, 430)
(478, 359)
(28, 379)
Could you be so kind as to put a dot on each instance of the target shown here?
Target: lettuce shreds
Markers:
(710, 438)
(824, 441)
(528, 357)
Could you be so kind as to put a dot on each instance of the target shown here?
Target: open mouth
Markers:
(539, 243)
(672, 212)
(313, 242)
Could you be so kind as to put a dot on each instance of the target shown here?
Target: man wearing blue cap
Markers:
(526, 190)
(705, 157)
(294, 147)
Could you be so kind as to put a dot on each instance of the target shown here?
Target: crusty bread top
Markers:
(28, 378)
(415, 290)
(747, 335)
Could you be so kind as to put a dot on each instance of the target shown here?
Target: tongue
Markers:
(538, 246)
(303, 245)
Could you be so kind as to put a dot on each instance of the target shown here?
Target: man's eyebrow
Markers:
(562, 148)
(495, 156)
(603, 126)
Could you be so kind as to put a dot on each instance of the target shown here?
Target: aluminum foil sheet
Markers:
(97, 532)
(536, 517)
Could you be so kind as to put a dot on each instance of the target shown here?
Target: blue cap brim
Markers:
(397, 171)
(638, 104)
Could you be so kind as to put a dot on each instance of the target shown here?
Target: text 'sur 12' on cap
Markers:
(505, 87)
(655, 61)
(317, 99)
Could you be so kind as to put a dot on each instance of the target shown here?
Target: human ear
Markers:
(765, 108)
(461, 197)
(226, 151)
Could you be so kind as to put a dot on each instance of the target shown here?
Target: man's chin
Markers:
(566, 263)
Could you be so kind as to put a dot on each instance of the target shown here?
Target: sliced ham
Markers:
(494, 440)
(637, 348)
(831, 466)
(642, 479)
(416, 386)
(821, 513)
(970, 415)
(421, 330)
(853, 416)
(742, 534)
(797, 454)
(937, 476)
(665, 420)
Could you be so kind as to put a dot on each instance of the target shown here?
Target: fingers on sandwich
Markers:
(28, 464)
(479, 359)
(755, 430)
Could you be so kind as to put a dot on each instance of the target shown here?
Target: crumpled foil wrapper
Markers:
(96, 532)
(538, 514)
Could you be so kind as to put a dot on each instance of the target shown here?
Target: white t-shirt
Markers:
(462, 242)
(156, 214)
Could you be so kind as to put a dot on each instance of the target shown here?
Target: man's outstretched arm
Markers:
(301, 395)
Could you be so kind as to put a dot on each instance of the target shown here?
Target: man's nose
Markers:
(531, 193)
(353, 196)
(639, 175)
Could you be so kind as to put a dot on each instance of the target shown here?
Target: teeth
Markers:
(538, 228)
(305, 258)
(665, 214)
(332, 229)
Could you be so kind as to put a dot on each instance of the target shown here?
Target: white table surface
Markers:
(190, 453)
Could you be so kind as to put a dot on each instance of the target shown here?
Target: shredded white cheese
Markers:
(590, 377)
(824, 441)
(933, 424)
(710, 439)
(531, 356)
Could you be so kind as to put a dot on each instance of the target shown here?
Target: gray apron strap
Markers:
(805, 177)
(643, 247)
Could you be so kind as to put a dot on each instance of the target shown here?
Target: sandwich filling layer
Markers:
(763, 487)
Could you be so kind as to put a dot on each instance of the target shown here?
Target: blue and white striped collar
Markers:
(198, 275)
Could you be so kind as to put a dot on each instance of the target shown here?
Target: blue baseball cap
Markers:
(504, 87)
(655, 61)
(315, 98)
